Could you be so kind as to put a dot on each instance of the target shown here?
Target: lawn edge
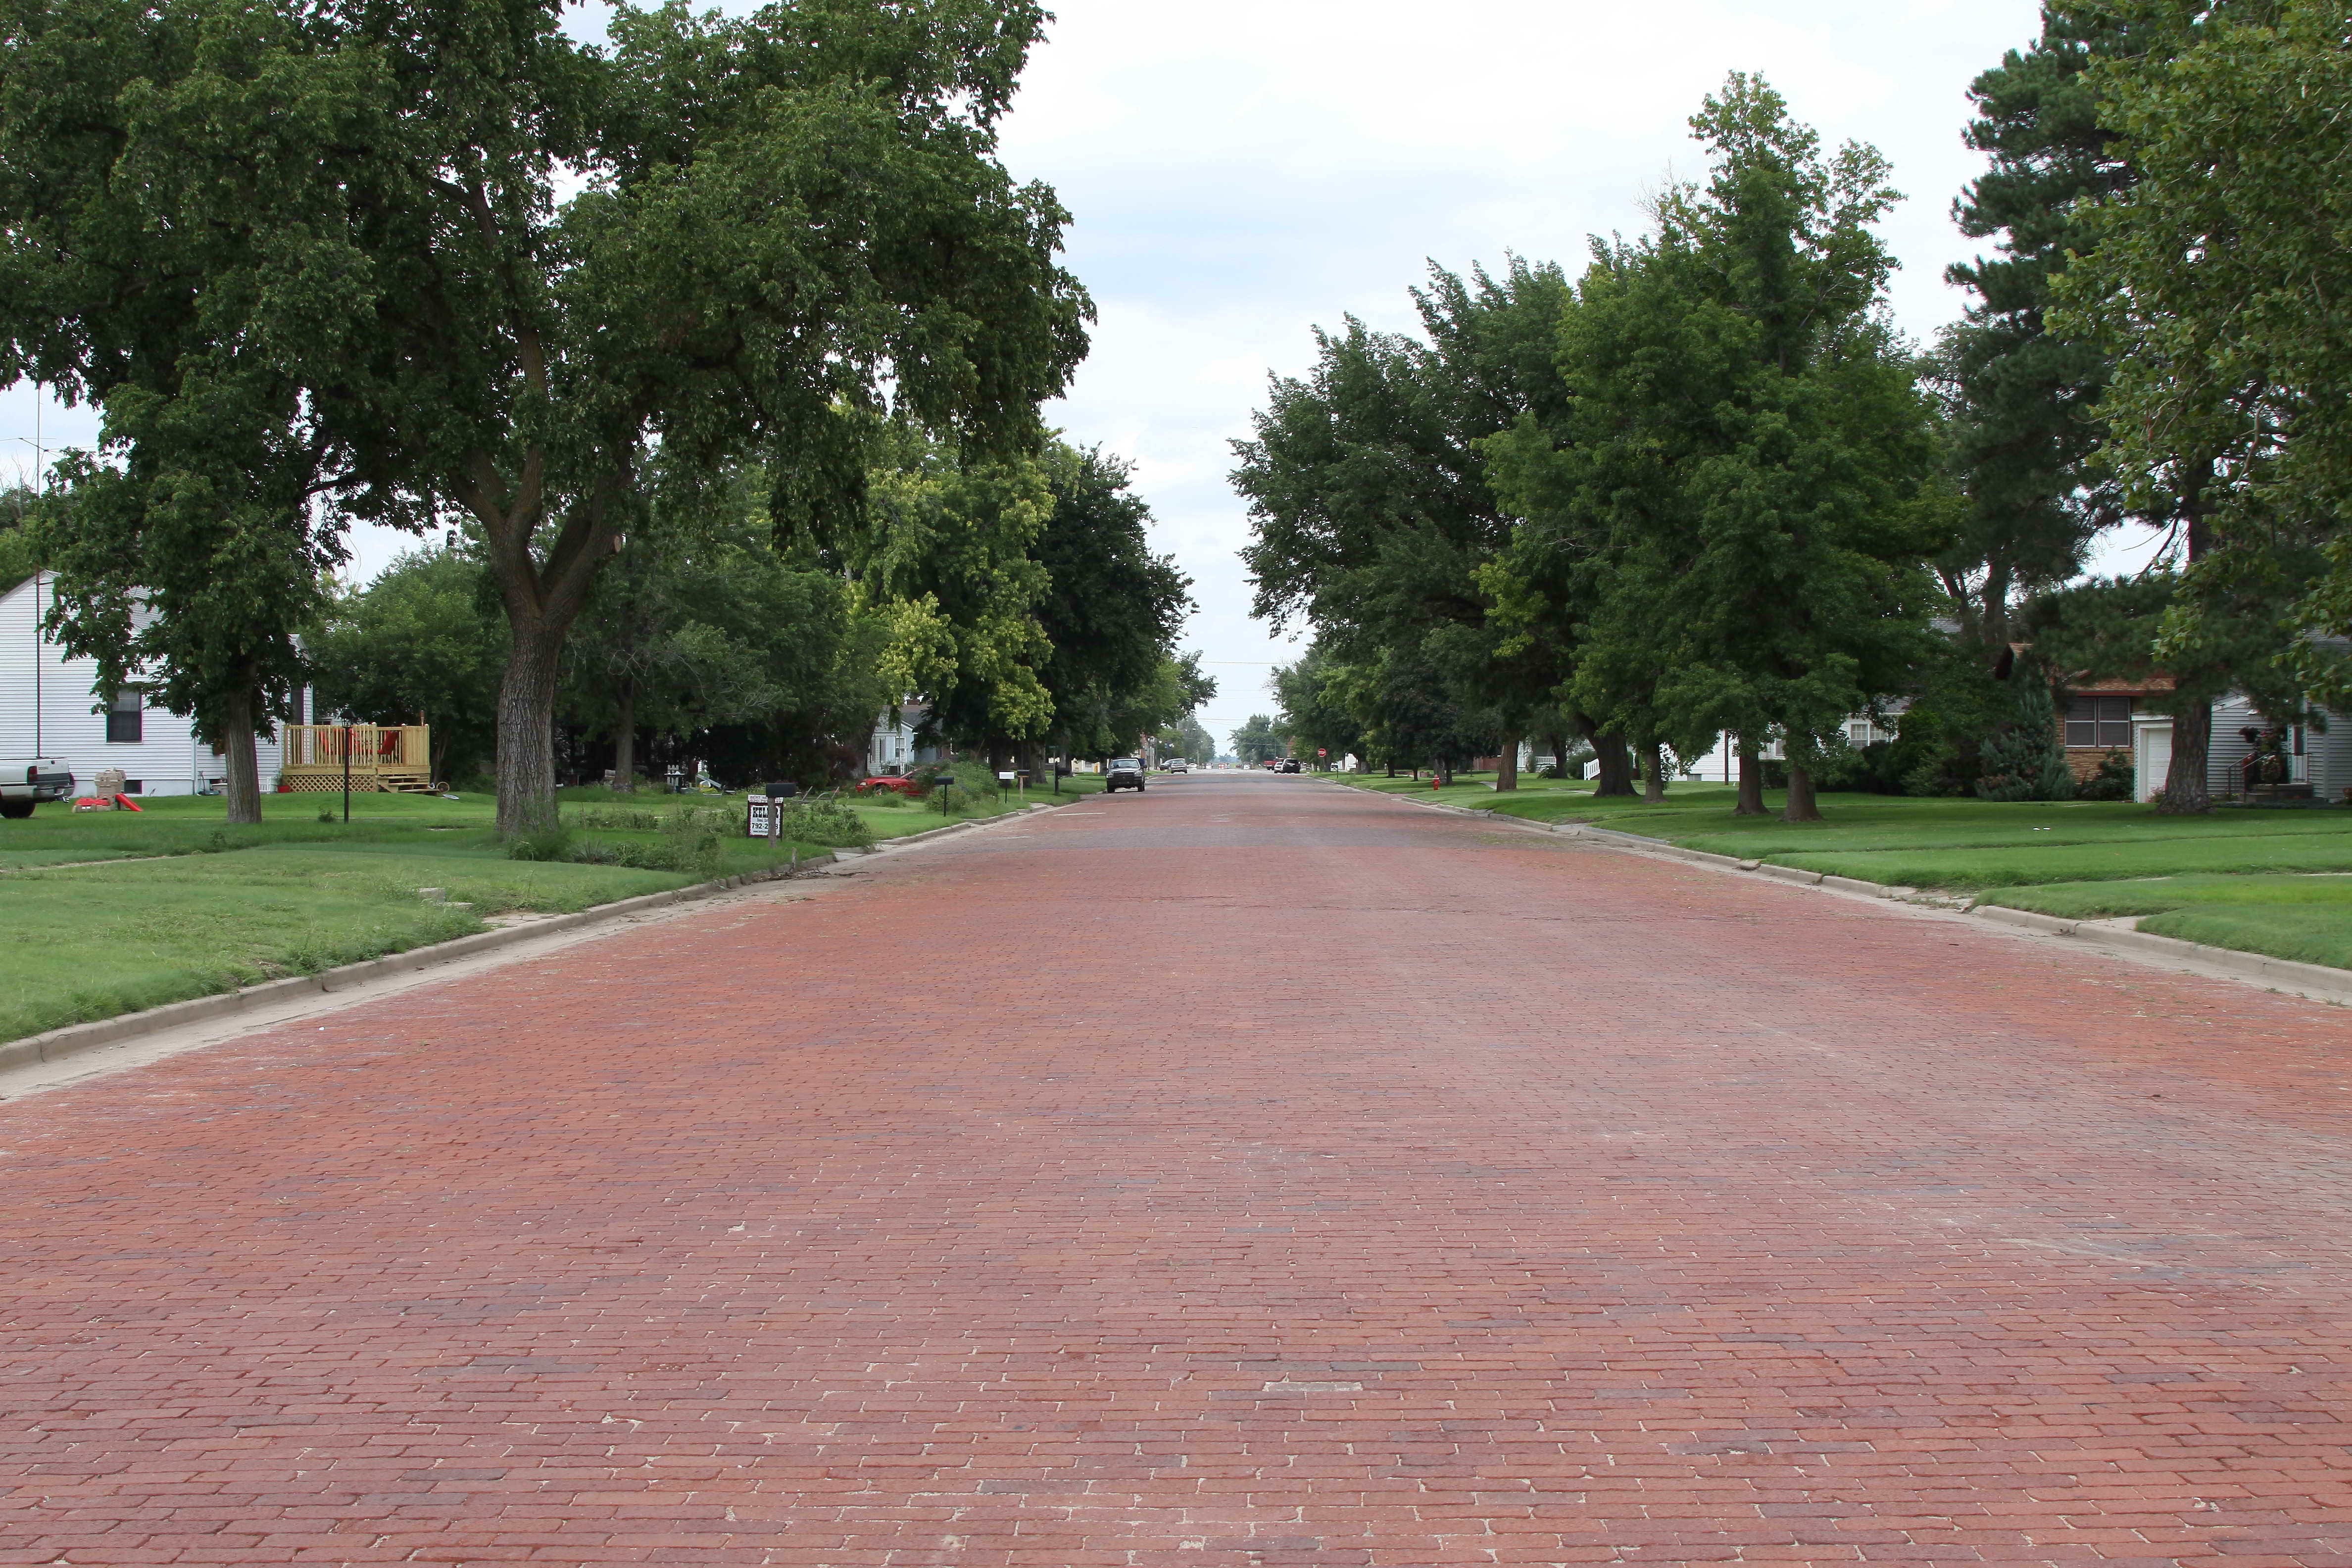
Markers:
(2238, 963)
(72, 1040)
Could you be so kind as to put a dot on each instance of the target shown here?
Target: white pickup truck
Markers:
(25, 782)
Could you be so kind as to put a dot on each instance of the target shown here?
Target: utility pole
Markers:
(41, 479)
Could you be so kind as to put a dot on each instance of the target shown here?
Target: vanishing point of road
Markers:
(1249, 1172)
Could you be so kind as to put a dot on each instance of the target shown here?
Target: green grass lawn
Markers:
(2305, 917)
(107, 912)
(2257, 880)
(92, 942)
(192, 824)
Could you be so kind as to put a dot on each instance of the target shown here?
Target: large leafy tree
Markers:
(1372, 514)
(1256, 740)
(190, 557)
(502, 268)
(2219, 279)
(188, 569)
(1736, 478)
(1176, 689)
(948, 566)
(1112, 607)
(684, 633)
(1316, 715)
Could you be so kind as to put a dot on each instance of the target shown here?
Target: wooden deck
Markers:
(384, 757)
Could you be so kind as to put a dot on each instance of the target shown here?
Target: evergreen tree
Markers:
(2026, 760)
(2022, 401)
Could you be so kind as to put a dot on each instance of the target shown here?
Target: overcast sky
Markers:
(1242, 171)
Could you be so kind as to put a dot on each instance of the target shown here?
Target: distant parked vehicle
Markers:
(1289, 765)
(1124, 772)
(1176, 765)
(26, 782)
(886, 783)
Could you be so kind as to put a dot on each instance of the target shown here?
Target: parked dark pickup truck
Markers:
(26, 781)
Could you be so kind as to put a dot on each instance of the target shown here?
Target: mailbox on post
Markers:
(761, 819)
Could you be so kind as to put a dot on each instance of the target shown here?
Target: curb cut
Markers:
(2246, 966)
(72, 1040)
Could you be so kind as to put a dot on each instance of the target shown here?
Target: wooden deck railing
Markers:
(374, 748)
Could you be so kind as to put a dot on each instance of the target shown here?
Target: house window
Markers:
(2101, 722)
(125, 717)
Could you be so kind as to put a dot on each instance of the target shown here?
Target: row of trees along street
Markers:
(1045, 623)
(718, 347)
(1703, 486)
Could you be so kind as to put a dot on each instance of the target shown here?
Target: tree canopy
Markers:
(498, 268)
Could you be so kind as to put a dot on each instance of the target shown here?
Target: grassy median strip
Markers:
(2271, 881)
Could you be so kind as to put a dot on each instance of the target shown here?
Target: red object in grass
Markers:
(889, 781)
(127, 803)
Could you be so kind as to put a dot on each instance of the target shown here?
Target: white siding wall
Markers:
(166, 760)
(2325, 764)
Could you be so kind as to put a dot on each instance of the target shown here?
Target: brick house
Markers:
(2098, 716)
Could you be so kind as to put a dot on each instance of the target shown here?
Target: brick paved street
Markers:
(1247, 1171)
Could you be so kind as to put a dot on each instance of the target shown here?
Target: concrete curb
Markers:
(2251, 966)
(55, 1044)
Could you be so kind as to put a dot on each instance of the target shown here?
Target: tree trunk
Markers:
(2184, 782)
(2192, 726)
(1559, 755)
(1442, 772)
(1654, 773)
(624, 740)
(1751, 783)
(527, 732)
(1506, 768)
(237, 752)
(1995, 625)
(1801, 807)
(1616, 771)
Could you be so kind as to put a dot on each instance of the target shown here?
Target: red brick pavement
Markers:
(1245, 1172)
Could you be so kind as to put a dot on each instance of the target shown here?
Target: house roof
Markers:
(2145, 686)
(2149, 684)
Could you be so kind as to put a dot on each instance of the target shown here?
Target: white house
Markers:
(892, 749)
(46, 710)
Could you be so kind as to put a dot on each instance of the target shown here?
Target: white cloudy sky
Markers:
(1240, 171)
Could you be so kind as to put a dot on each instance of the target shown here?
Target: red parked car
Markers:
(881, 782)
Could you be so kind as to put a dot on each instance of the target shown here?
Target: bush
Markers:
(1870, 770)
(2112, 782)
(553, 844)
(825, 819)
